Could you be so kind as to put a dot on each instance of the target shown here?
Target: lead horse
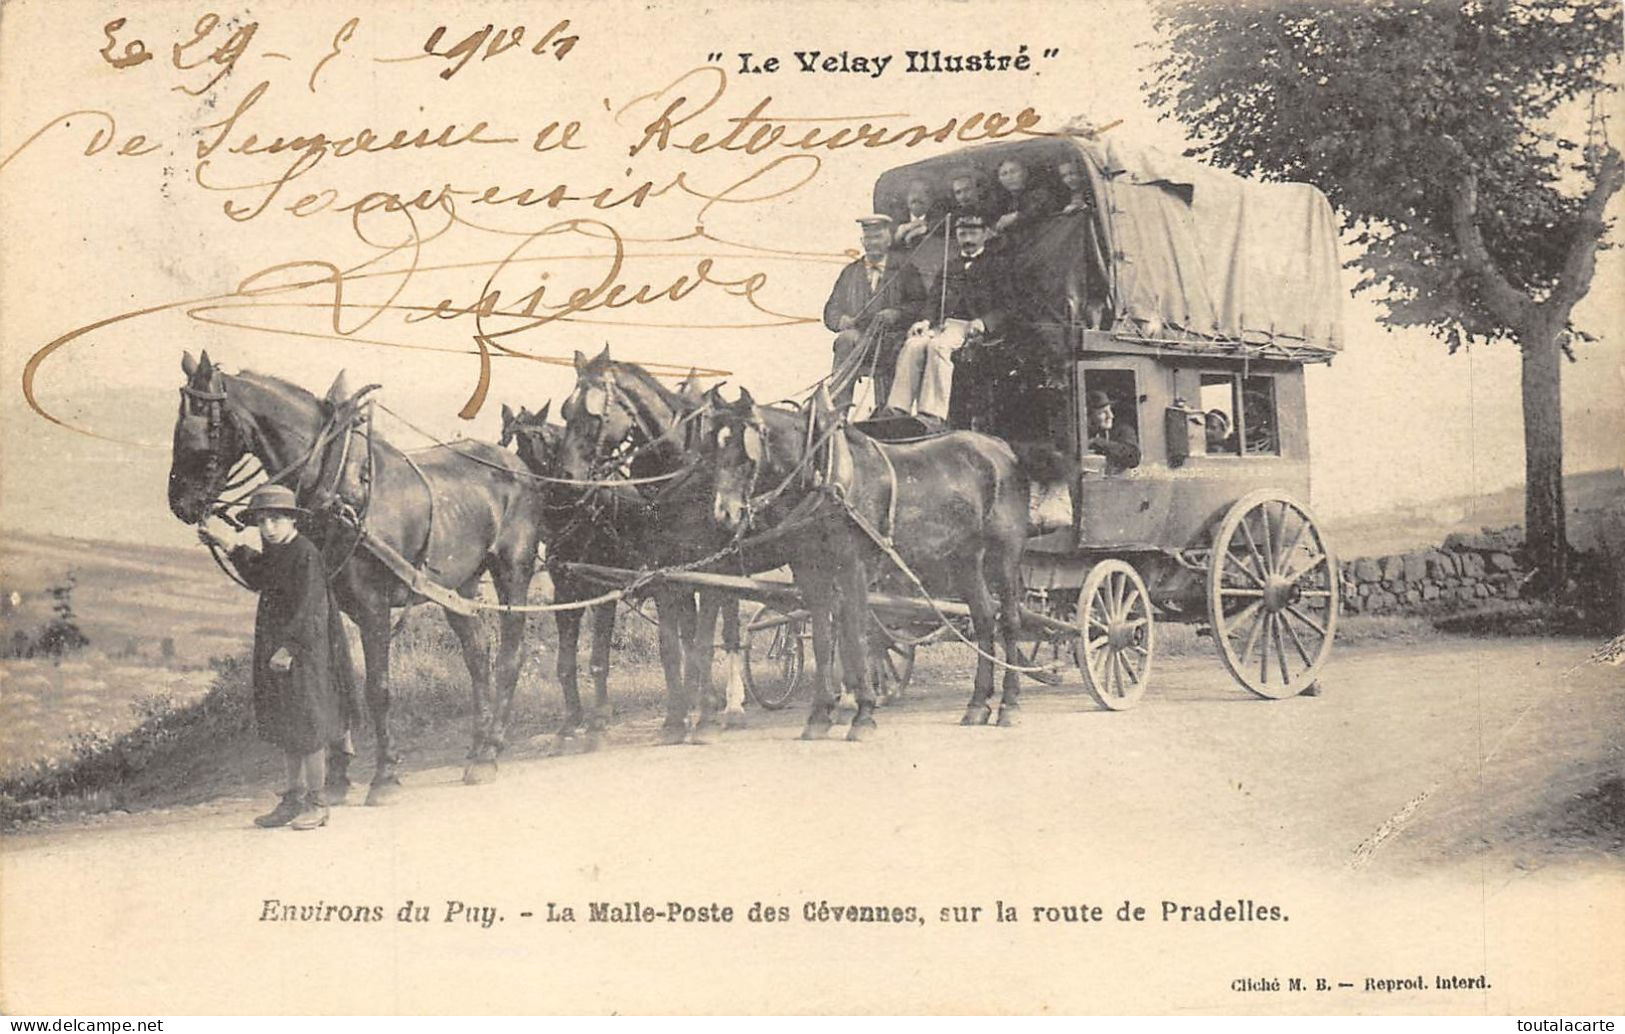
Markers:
(455, 513)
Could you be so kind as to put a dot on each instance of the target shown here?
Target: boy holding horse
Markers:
(303, 680)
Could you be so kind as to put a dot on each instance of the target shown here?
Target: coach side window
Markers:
(1238, 414)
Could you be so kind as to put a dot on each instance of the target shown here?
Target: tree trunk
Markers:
(1545, 530)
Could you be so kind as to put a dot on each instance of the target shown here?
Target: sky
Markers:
(1394, 420)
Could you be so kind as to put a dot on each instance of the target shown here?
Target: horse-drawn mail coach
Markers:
(1190, 301)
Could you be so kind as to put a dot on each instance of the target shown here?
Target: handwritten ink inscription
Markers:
(463, 248)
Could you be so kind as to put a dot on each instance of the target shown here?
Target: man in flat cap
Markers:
(873, 302)
(1109, 436)
(978, 299)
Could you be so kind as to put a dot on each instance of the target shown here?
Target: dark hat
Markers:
(969, 220)
(874, 219)
(273, 499)
(1098, 400)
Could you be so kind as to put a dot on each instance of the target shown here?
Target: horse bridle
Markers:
(595, 401)
(215, 399)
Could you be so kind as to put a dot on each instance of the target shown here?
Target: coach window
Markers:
(1239, 415)
(1219, 414)
(1119, 386)
(1260, 432)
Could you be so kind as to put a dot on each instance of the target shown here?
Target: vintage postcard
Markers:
(817, 507)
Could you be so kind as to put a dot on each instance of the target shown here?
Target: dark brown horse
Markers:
(622, 424)
(455, 513)
(575, 528)
(954, 508)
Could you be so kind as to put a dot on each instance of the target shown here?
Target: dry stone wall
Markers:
(1465, 571)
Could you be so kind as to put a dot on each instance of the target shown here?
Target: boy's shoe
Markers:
(313, 813)
(292, 803)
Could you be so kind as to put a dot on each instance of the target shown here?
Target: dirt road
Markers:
(1419, 819)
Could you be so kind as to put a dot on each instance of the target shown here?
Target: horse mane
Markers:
(287, 391)
(628, 374)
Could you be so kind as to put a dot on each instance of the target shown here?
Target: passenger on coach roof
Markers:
(872, 303)
(1025, 202)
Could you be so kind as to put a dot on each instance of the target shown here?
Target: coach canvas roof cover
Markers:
(1197, 255)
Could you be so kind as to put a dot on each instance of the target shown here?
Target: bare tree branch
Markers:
(1506, 302)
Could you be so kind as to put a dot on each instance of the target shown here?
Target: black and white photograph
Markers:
(812, 508)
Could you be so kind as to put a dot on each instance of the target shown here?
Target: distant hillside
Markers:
(1590, 496)
(127, 595)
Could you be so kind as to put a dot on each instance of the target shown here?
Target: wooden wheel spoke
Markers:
(1117, 673)
(1294, 575)
(1135, 622)
(1102, 671)
(1247, 613)
(1319, 594)
(1252, 547)
(1243, 568)
(1246, 593)
(1257, 627)
(1266, 624)
(1280, 652)
(1306, 619)
(1129, 667)
(1292, 634)
(1285, 556)
(1270, 537)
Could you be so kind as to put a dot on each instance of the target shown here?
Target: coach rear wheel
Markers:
(1272, 595)
(1116, 635)
(775, 653)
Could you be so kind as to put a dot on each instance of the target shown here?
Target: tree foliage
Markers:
(1429, 125)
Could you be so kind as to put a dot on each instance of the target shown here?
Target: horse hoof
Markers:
(815, 730)
(480, 772)
(335, 794)
(1009, 716)
(734, 720)
(671, 735)
(976, 714)
(704, 733)
(862, 729)
(382, 793)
